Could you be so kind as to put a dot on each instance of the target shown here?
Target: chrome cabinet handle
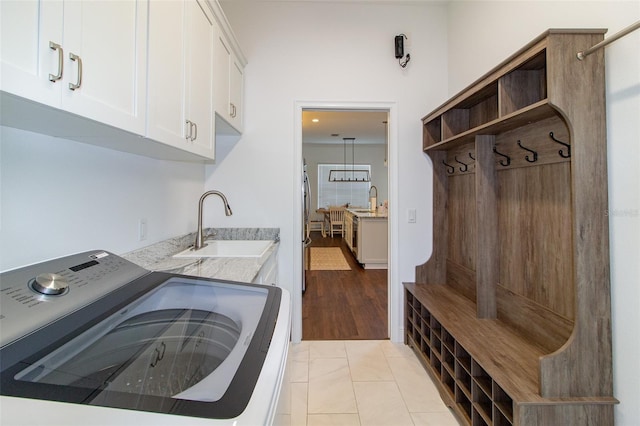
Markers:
(56, 46)
(195, 134)
(78, 83)
(189, 129)
(232, 109)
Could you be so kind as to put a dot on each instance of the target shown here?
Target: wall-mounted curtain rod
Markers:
(603, 43)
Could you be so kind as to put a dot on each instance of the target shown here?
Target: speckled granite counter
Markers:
(158, 257)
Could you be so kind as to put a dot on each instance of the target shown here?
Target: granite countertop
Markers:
(367, 214)
(159, 256)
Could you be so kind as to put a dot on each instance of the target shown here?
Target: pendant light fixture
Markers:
(349, 175)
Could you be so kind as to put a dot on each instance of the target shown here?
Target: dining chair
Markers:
(336, 220)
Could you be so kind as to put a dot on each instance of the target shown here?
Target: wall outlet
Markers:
(411, 216)
(142, 229)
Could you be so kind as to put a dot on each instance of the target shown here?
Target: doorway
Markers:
(346, 300)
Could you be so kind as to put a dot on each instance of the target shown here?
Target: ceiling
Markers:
(367, 127)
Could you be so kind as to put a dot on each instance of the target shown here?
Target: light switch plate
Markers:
(411, 215)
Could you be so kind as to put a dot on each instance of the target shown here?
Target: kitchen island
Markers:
(366, 235)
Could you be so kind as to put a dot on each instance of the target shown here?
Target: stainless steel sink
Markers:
(229, 248)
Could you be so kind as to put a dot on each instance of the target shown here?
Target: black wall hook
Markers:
(502, 162)
(450, 168)
(526, 157)
(471, 156)
(466, 167)
(566, 145)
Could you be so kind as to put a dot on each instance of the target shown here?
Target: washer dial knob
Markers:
(50, 284)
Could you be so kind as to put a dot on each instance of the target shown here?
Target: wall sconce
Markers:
(399, 45)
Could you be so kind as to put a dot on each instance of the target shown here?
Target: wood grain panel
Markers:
(534, 222)
(454, 122)
(535, 137)
(462, 221)
(434, 270)
(462, 280)
(521, 88)
(488, 261)
(532, 320)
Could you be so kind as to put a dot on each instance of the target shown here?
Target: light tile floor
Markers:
(358, 382)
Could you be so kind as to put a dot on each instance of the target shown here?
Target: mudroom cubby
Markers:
(511, 313)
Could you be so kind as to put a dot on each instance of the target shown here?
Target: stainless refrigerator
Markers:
(306, 234)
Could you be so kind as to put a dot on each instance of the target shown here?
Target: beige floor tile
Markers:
(330, 386)
(299, 405)
(418, 390)
(326, 349)
(393, 350)
(380, 404)
(333, 420)
(369, 365)
(434, 419)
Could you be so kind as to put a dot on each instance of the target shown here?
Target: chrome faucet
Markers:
(227, 210)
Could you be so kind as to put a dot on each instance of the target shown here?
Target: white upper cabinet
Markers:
(180, 102)
(150, 77)
(31, 30)
(85, 57)
(229, 82)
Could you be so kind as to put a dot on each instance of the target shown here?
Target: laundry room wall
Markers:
(482, 34)
(59, 197)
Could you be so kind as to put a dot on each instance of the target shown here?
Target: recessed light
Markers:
(315, 120)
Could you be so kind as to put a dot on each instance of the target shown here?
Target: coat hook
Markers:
(471, 156)
(450, 168)
(526, 157)
(561, 152)
(466, 167)
(502, 162)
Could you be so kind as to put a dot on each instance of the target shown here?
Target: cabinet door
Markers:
(222, 59)
(166, 96)
(236, 86)
(27, 28)
(229, 83)
(109, 38)
(199, 77)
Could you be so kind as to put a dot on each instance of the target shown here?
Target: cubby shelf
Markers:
(501, 315)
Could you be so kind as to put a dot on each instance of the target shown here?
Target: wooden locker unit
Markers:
(511, 314)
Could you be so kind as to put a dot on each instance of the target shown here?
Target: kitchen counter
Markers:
(368, 214)
(159, 256)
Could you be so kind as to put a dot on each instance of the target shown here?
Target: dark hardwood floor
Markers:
(344, 305)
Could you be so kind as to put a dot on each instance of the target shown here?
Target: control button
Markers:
(50, 284)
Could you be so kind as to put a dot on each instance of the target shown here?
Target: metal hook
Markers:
(450, 168)
(466, 167)
(562, 154)
(471, 156)
(502, 155)
(526, 157)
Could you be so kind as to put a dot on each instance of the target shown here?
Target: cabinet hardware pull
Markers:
(233, 109)
(561, 152)
(56, 46)
(188, 130)
(466, 167)
(526, 157)
(502, 162)
(450, 168)
(78, 83)
(195, 134)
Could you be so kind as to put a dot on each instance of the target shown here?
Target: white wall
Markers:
(60, 197)
(330, 52)
(482, 34)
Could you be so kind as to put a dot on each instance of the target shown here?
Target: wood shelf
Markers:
(502, 313)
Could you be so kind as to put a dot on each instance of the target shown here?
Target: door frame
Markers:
(394, 287)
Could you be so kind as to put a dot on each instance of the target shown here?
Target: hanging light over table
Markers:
(349, 175)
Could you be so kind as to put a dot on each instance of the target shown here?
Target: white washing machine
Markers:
(94, 339)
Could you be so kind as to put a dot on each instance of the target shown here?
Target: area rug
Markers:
(328, 259)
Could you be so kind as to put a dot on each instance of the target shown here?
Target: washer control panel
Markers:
(35, 295)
